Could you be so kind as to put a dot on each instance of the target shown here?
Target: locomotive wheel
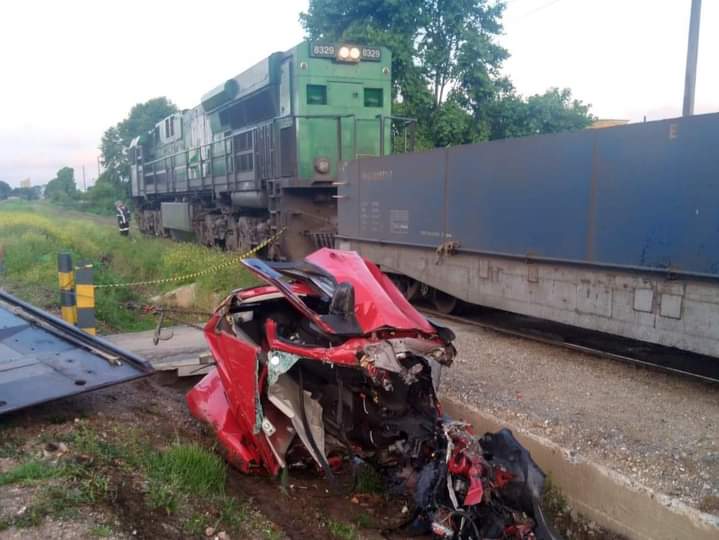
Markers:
(443, 302)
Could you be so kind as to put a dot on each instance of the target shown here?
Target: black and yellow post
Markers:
(85, 293)
(66, 280)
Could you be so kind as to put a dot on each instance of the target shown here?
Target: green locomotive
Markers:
(262, 150)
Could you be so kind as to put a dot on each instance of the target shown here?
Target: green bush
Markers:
(32, 235)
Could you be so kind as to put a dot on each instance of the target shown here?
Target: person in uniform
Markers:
(123, 218)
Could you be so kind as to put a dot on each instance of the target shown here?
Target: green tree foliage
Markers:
(5, 190)
(101, 197)
(62, 188)
(446, 67)
(113, 182)
(551, 112)
(115, 140)
(29, 194)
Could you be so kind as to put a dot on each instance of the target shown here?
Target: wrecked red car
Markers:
(329, 364)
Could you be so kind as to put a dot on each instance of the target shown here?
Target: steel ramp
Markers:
(43, 358)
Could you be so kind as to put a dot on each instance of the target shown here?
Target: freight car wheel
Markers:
(443, 302)
(407, 286)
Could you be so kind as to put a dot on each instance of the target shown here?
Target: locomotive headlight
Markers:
(354, 53)
(322, 165)
(344, 52)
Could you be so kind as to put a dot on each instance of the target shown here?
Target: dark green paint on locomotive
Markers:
(359, 93)
(293, 115)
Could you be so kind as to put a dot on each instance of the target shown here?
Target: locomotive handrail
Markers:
(407, 121)
(164, 169)
(274, 120)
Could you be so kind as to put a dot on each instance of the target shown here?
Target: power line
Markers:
(537, 10)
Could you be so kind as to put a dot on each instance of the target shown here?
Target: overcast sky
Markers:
(72, 68)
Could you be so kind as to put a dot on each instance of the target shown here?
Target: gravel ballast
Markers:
(659, 429)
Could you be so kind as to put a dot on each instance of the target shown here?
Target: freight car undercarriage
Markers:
(650, 318)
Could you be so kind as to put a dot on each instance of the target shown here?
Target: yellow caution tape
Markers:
(193, 275)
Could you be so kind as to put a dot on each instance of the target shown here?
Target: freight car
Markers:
(614, 230)
(261, 151)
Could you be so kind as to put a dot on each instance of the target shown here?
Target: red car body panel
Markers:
(378, 303)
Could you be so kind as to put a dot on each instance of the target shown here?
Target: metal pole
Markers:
(85, 295)
(381, 134)
(690, 78)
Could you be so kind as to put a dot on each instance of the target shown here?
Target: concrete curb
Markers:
(611, 499)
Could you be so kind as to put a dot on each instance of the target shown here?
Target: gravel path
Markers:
(659, 429)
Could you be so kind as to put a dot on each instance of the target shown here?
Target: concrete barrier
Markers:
(611, 499)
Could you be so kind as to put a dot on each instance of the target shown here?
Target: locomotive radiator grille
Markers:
(323, 239)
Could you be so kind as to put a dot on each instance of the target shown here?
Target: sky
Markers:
(71, 69)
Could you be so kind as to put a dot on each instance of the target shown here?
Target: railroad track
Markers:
(669, 359)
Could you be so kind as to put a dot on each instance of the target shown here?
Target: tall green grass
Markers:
(32, 234)
(30, 471)
(191, 468)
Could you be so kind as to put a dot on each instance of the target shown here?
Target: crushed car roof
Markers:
(377, 304)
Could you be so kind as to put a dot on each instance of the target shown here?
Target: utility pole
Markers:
(84, 182)
(690, 79)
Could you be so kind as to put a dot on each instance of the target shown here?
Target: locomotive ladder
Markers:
(274, 190)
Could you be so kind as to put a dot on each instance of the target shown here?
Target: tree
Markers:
(29, 194)
(446, 67)
(556, 111)
(113, 158)
(141, 119)
(101, 197)
(62, 188)
(441, 50)
(5, 190)
(551, 112)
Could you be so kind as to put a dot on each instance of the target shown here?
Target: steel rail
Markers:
(709, 374)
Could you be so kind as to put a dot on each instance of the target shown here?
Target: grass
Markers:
(10, 446)
(101, 531)
(31, 471)
(342, 530)
(32, 235)
(183, 469)
(365, 521)
(369, 480)
(190, 467)
(185, 482)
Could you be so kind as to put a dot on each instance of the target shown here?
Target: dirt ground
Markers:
(659, 429)
(97, 437)
(152, 412)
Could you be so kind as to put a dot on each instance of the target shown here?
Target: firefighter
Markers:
(123, 218)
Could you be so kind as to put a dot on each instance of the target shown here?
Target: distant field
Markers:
(32, 234)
